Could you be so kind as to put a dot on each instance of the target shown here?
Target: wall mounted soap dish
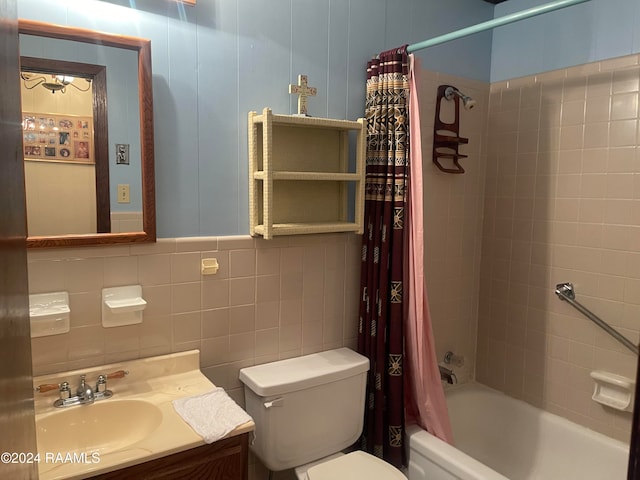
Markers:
(49, 313)
(613, 390)
(122, 306)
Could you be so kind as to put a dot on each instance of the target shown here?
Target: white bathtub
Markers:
(500, 438)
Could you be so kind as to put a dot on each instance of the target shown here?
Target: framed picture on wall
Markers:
(57, 138)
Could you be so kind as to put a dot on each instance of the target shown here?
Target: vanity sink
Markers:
(103, 426)
(132, 430)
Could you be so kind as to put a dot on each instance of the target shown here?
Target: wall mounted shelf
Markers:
(299, 176)
(446, 136)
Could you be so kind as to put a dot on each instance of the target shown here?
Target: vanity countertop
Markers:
(156, 380)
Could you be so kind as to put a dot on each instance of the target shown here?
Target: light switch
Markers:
(123, 193)
(122, 154)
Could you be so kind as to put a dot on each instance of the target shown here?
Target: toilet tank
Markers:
(306, 408)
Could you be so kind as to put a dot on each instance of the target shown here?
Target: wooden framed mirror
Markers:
(105, 144)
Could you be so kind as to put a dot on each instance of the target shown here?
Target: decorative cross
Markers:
(304, 91)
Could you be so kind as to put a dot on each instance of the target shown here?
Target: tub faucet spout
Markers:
(447, 375)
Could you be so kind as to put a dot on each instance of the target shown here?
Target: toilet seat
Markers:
(354, 466)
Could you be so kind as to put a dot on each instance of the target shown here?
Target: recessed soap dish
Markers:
(613, 390)
(49, 313)
(126, 305)
(122, 306)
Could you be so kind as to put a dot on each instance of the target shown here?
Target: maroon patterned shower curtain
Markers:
(380, 335)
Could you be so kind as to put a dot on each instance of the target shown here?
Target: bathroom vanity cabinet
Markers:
(300, 180)
(222, 460)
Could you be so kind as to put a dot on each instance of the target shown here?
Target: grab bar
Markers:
(565, 292)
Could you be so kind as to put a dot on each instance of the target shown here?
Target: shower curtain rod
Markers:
(496, 22)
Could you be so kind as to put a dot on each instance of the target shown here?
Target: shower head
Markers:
(467, 101)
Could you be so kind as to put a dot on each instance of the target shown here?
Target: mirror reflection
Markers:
(88, 142)
(59, 138)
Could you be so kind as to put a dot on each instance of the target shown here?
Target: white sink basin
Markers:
(138, 424)
(106, 425)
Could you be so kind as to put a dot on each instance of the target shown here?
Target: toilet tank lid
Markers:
(308, 371)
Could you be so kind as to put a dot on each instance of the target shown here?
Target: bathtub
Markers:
(501, 438)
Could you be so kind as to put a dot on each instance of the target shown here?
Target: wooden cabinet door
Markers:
(222, 460)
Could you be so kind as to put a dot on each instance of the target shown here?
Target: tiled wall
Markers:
(126, 222)
(562, 204)
(453, 221)
(269, 300)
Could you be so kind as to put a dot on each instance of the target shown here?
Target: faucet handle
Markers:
(101, 384)
(117, 374)
(65, 390)
(47, 387)
(451, 358)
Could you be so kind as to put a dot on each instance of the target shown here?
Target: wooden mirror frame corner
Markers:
(145, 94)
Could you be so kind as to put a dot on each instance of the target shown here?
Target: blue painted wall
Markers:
(588, 32)
(215, 62)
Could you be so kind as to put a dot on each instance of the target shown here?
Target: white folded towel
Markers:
(212, 415)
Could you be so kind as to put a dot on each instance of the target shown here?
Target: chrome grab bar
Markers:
(565, 292)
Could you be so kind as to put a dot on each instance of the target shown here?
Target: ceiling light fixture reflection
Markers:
(57, 83)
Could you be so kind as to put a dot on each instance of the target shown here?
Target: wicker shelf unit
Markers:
(299, 176)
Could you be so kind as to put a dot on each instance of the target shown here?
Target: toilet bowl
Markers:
(307, 410)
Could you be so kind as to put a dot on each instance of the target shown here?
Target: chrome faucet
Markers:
(85, 392)
(85, 395)
(447, 375)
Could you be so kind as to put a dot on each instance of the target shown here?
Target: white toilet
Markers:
(307, 409)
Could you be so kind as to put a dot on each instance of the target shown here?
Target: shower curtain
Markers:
(380, 336)
(392, 290)
(425, 401)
